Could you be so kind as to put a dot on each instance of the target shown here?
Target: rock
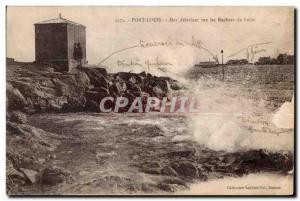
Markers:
(114, 90)
(124, 76)
(67, 86)
(82, 79)
(75, 104)
(182, 153)
(154, 171)
(174, 85)
(203, 173)
(241, 171)
(148, 187)
(207, 167)
(38, 89)
(12, 172)
(163, 84)
(167, 170)
(262, 160)
(14, 129)
(51, 156)
(52, 176)
(18, 117)
(100, 89)
(30, 174)
(122, 87)
(56, 103)
(41, 160)
(171, 187)
(96, 96)
(143, 74)
(133, 80)
(101, 70)
(185, 169)
(14, 179)
(92, 106)
(45, 82)
(133, 87)
(96, 77)
(15, 100)
(27, 88)
(158, 92)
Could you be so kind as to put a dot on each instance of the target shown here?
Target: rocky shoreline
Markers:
(33, 149)
(37, 88)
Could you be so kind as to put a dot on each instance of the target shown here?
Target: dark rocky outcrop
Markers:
(35, 88)
(53, 175)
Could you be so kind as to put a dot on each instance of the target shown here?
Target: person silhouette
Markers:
(75, 52)
(79, 54)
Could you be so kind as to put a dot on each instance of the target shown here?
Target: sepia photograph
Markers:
(150, 100)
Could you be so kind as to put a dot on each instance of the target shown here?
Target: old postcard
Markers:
(150, 100)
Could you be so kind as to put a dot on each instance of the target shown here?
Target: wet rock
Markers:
(135, 79)
(41, 160)
(30, 174)
(158, 92)
(96, 77)
(15, 100)
(101, 70)
(263, 160)
(118, 89)
(74, 104)
(207, 167)
(40, 90)
(18, 117)
(96, 96)
(185, 169)
(241, 171)
(11, 172)
(93, 99)
(27, 88)
(126, 76)
(151, 164)
(154, 171)
(14, 129)
(182, 153)
(82, 79)
(148, 187)
(175, 85)
(169, 171)
(143, 74)
(66, 85)
(101, 89)
(133, 87)
(92, 106)
(102, 157)
(151, 168)
(170, 187)
(52, 176)
(121, 86)
(15, 179)
(132, 80)
(51, 157)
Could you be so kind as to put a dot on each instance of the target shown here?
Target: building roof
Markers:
(59, 20)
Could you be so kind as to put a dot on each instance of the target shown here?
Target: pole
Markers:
(223, 70)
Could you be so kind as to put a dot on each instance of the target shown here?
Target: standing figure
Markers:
(75, 52)
(79, 54)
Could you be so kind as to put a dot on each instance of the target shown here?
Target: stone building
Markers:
(55, 40)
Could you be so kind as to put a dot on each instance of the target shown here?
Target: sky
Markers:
(272, 26)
